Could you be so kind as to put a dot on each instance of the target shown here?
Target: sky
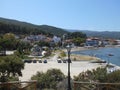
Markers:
(96, 15)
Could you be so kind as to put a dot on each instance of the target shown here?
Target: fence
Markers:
(32, 85)
(17, 85)
(95, 86)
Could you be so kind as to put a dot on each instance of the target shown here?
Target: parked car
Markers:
(64, 61)
(40, 61)
(45, 61)
(27, 61)
(34, 61)
(59, 61)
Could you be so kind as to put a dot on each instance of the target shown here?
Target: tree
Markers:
(114, 77)
(43, 43)
(10, 66)
(23, 48)
(99, 74)
(8, 41)
(50, 79)
(78, 41)
(76, 35)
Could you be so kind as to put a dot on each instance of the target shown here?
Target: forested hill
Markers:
(18, 27)
(103, 34)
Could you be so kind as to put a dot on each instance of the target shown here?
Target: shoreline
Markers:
(80, 57)
(92, 48)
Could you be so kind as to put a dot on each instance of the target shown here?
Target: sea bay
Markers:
(109, 54)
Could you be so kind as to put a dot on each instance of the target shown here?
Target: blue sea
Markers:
(103, 53)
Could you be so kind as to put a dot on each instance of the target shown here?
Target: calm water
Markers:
(103, 54)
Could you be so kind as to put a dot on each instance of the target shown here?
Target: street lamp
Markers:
(68, 47)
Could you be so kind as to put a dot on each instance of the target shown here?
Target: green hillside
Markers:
(18, 27)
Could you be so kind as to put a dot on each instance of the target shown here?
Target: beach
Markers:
(77, 66)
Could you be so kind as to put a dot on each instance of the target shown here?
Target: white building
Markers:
(56, 39)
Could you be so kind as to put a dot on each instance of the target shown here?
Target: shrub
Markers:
(50, 79)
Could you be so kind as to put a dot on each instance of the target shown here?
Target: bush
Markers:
(50, 79)
(62, 54)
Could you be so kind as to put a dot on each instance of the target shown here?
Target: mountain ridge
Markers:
(101, 34)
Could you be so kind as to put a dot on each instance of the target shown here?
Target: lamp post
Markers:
(68, 47)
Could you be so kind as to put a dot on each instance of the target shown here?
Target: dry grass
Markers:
(76, 57)
(83, 57)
